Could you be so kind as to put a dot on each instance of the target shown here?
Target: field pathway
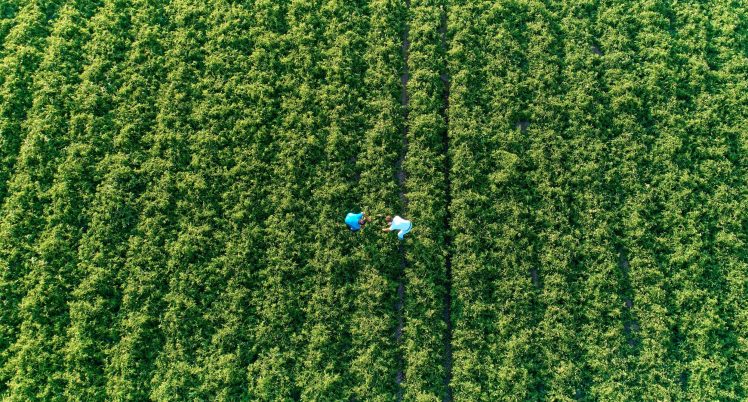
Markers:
(447, 216)
(401, 182)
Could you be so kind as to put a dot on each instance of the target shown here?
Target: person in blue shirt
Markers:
(356, 221)
(397, 223)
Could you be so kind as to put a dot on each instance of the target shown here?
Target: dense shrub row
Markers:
(592, 150)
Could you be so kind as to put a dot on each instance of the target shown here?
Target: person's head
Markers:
(364, 220)
(388, 219)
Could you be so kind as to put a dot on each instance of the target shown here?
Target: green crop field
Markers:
(174, 175)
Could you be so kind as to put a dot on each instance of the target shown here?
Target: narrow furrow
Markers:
(401, 183)
(448, 216)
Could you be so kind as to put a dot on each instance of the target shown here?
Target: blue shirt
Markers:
(352, 220)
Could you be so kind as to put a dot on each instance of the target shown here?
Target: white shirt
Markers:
(402, 225)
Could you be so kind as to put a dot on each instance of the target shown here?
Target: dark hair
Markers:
(388, 218)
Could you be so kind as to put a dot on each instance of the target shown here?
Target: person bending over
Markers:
(397, 223)
(357, 221)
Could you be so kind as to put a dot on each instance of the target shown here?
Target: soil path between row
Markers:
(401, 183)
(447, 215)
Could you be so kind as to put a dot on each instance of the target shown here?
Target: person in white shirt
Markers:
(397, 223)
